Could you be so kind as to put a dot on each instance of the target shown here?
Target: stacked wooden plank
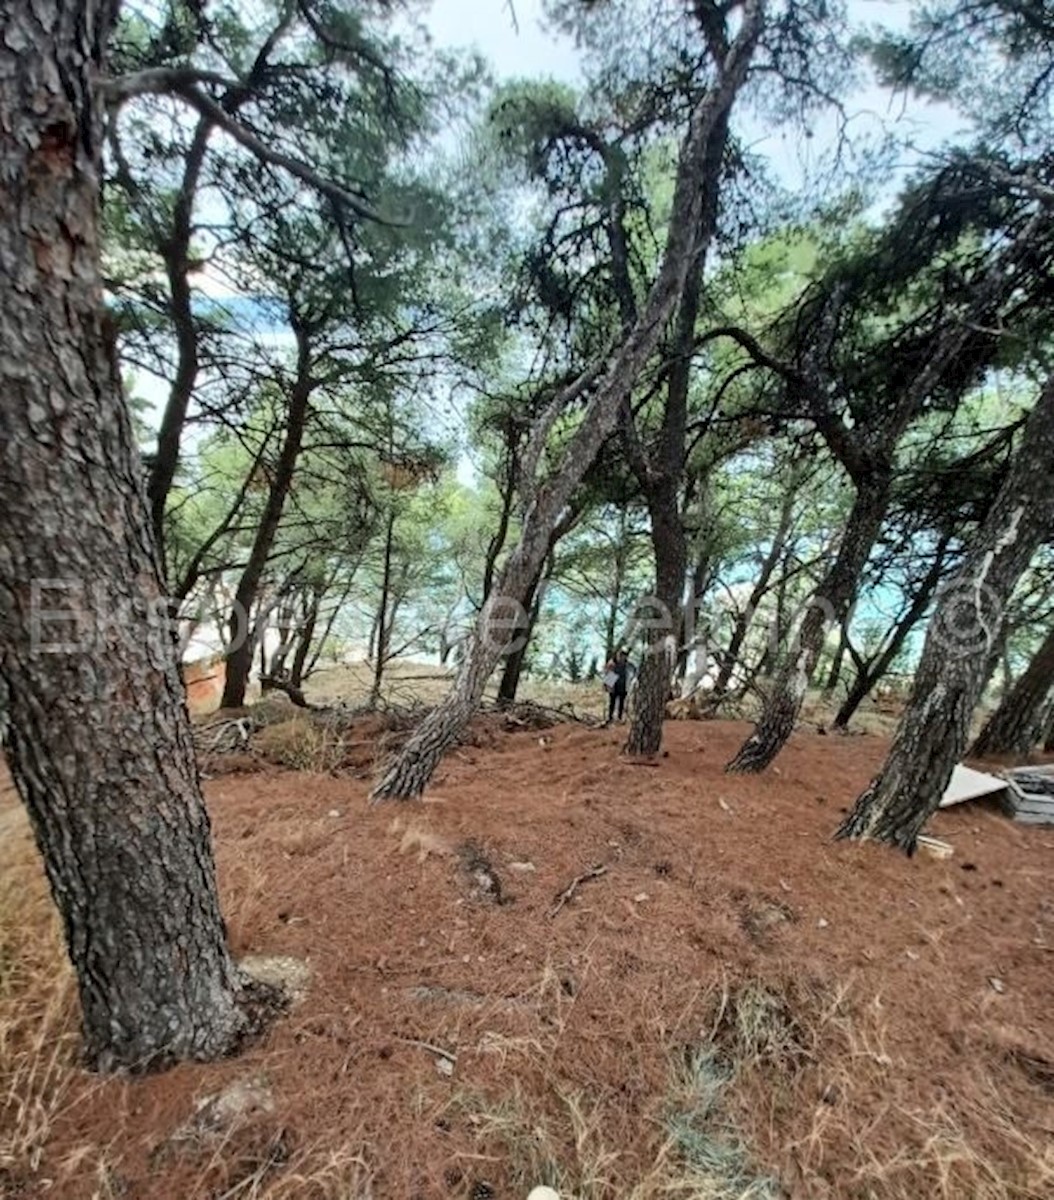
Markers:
(1030, 794)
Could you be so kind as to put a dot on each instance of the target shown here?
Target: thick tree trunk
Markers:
(409, 773)
(951, 674)
(510, 676)
(1018, 724)
(836, 594)
(870, 673)
(99, 741)
(535, 594)
(660, 477)
(239, 657)
(660, 655)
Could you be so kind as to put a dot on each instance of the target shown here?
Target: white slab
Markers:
(968, 784)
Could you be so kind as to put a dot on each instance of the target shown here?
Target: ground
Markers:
(736, 1006)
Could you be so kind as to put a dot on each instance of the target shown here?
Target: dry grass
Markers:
(769, 1082)
(781, 1072)
(409, 683)
(38, 1035)
(302, 744)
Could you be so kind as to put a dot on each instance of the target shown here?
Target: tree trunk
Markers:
(239, 656)
(661, 477)
(836, 593)
(382, 622)
(410, 771)
(660, 654)
(175, 251)
(510, 677)
(508, 495)
(746, 617)
(99, 742)
(689, 638)
(834, 675)
(951, 674)
(615, 604)
(1018, 724)
(870, 673)
(303, 638)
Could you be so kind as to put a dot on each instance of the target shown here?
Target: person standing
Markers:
(616, 680)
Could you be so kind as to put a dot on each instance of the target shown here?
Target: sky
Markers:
(522, 47)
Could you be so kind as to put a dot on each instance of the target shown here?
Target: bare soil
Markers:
(735, 1005)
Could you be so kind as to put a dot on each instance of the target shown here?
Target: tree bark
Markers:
(510, 677)
(1018, 724)
(660, 654)
(952, 671)
(99, 742)
(239, 656)
(836, 593)
(408, 774)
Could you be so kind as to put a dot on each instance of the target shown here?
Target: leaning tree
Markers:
(606, 384)
(1017, 726)
(954, 666)
(936, 335)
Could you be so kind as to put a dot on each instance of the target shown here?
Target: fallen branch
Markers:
(438, 1051)
(270, 683)
(568, 893)
(566, 712)
(224, 736)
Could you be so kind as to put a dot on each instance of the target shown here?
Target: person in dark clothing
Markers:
(616, 680)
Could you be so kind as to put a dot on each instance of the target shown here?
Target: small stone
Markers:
(997, 985)
(822, 923)
(216, 1116)
(522, 868)
(445, 1067)
(334, 812)
(543, 1193)
(640, 897)
(290, 976)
